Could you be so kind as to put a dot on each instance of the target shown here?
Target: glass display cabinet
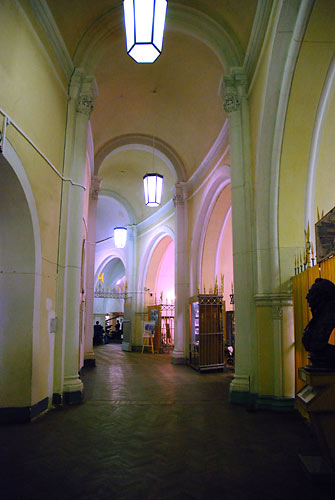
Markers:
(163, 315)
(207, 316)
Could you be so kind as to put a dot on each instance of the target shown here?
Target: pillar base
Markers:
(179, 358)
(239, 390)
(89, 363)
(73, 390)
(317, 469)
(126, 346)
(73, 398)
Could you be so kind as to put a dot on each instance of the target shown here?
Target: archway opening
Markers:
(160, 297)
(109, 300)
(217, 265)
(17, 290)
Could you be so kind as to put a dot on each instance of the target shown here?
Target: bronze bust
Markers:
(321, 300)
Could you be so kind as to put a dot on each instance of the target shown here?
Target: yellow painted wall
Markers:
(32, 93)
(315, 55)
(265, 351)
(325, 180)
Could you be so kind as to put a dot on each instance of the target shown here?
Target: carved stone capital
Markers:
(95, 187)
(231, 101)
(234, 88)
(179, 197)
(132, 231)
(85, 104)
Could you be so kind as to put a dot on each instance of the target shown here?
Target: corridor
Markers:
(149, 430)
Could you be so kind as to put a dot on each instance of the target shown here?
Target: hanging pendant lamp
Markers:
(120, 237)
(153, 187)
(144, 23)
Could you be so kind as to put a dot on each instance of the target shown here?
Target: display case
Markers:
(207, 314)
(163, 315)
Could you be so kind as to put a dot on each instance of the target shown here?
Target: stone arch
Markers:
(143, 142)
(219, 38)
(105, 305)
(217, 183)
(270, 140)
(321, 114)
(115, 255)
(156, 238)
(20, 285)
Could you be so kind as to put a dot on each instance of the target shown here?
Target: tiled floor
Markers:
(149, 430)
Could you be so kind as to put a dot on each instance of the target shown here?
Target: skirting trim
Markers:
(179, 361)
(21, 415)
(274, 403)
(73, 398)
(255, 402)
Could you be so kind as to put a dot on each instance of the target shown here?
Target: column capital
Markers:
(83, 89)
(234, 88)
(231, 101)
(179, 194)
(85, 104)
(132, 231)
(95, 187)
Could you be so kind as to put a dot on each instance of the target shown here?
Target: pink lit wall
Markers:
(225, 260)
(217, 257)
(165, 274)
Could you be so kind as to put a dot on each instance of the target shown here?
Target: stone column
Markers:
(130, 304)
(181, 329)
(89, 358)
(235, 103)
(67, 381)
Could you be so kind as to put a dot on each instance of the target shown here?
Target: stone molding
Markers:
(144, 143)
(57, 70)
(276, 302)
(214, 157)
(257, 37)
(219, 37)
(269, 299)
(46, 20)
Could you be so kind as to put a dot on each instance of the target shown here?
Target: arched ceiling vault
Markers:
(174, 102)
(143, 143)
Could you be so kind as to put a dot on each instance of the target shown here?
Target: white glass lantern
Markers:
(153, 187)
(120, 237)
(144, 22)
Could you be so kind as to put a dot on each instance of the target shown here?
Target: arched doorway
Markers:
(160, 293)
(20, 265)
(109, 296)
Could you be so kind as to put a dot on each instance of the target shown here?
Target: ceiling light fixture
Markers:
(153, 184)
(120, 237)
(153, 187)
(144, 23)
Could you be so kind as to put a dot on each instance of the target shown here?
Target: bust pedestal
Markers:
(316, 401)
